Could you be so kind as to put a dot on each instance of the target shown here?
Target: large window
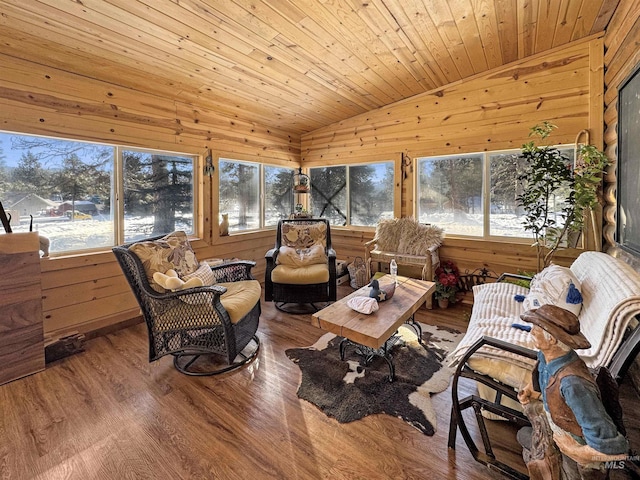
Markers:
(353, 195)
(450, 193)
(475, 194)
(278, 194)
(64, 190)
(158, 194)
(241, 190)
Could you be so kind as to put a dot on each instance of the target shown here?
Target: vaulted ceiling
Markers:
(292, 64)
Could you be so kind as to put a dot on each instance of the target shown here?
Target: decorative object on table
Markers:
(358, 273)
(447, 276)
(224, 225)
(393, 270)
(381, 293)
(366, 305)
(347, 391)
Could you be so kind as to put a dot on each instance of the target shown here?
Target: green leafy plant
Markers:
(555, 196)
(590, 166)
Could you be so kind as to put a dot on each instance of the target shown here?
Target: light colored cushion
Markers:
(301, 257)
(555, 285)
(240, 298)
(300, 276)
(304, 235)
(171, 252)
(204, 273)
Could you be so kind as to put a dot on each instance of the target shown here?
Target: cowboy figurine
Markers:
(581, 427)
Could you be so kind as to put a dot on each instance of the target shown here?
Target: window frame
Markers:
(117, 189)
(262, 201)
(361, 161)
(486, 191)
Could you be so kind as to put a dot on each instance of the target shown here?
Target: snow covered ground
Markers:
(66, 235)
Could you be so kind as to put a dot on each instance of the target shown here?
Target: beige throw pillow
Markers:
(301, 257)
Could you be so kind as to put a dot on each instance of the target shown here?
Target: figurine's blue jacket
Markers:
(598, 429)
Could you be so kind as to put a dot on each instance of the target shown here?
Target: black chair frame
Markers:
(618, 367)
(193, 332)
(283, 293)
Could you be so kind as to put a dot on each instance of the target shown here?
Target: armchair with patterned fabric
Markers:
(301, 268)
(217, 318)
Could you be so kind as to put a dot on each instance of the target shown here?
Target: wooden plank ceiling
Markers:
(295, 65)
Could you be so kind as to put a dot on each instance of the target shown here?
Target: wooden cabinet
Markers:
(21, 329)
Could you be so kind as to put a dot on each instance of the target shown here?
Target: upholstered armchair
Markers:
(217, 319)
(301, 268)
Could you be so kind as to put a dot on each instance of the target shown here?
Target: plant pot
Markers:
(443, 302)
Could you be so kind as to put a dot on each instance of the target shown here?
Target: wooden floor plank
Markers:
(107, 413)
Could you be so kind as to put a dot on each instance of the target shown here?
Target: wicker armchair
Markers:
(219, 320)
(408, 242)
(301, 268)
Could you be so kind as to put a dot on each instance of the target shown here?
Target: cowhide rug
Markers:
(348, 391)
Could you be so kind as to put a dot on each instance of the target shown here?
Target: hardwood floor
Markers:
(107, 413)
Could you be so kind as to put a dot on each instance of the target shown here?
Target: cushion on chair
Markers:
(240, 298)
(173, 251)
(310, 275)
(555, 285)
(406, 235)
(301, 257)
(204, 273)
(304, 235)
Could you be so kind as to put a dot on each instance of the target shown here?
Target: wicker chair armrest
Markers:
(213, 290)
(234, 271)
(371, 242)
(433, 248)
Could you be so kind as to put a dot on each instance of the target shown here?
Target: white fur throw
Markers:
(406, 235)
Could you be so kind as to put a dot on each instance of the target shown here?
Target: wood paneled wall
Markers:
(621, 57)
(88, 292)
(491, 111)
(488, 112)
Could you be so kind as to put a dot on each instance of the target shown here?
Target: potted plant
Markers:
(447, 276)
(549, 179)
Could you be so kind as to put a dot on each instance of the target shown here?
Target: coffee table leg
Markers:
(368, 353)
(343, 347)
(416, 328)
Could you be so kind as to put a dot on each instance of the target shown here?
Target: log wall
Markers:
(491, 111)
(487, 112)
(621, 57)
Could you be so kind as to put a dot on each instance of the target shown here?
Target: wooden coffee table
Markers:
(374, 334)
